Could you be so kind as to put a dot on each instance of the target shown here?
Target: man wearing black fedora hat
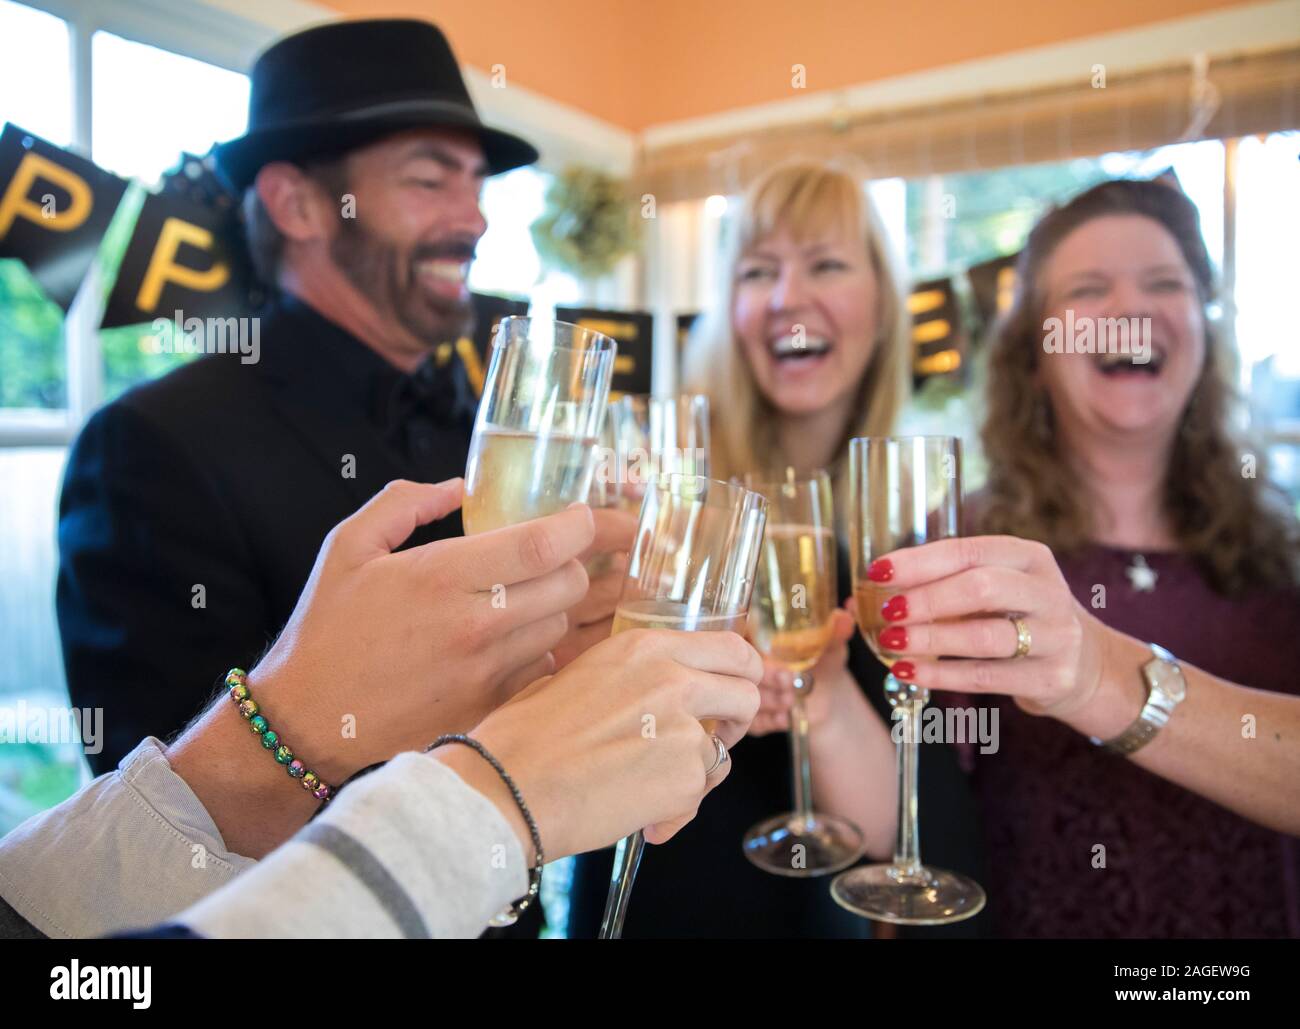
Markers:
(193, 506)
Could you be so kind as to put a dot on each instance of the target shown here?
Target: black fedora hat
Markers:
(329, 89)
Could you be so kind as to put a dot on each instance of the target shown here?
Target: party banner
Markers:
(54, 210)
(937, 340)
(473, 350)
(993, 284)
(634, 333)
(685, 322)
(182, 263)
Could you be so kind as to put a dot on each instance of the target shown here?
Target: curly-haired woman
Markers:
(1121, 508)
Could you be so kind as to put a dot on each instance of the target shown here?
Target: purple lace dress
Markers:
(1176, 865)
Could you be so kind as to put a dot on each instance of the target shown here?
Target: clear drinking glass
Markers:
(903, 491)
(790, 623)
(544, 400)
(691, 567)
(652, 437)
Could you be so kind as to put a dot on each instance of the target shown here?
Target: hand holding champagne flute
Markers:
(534, 452)
(691, 567)
(903, 491)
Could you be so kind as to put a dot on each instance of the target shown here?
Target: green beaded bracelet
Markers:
(242, 696)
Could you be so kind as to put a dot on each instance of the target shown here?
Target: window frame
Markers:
(204, 33)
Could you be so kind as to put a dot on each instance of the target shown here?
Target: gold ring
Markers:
(1023, 639)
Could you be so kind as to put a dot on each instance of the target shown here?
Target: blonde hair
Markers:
(809, 199)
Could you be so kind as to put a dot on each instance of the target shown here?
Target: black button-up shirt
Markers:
(422, 418)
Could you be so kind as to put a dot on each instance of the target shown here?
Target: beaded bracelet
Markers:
(237, 682)
(511, 914)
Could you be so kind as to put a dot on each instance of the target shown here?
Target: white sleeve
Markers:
(407, 851)
(131, 849)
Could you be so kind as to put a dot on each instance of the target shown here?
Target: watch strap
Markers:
(1154, 714)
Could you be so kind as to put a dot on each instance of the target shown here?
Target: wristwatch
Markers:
(1167, 689)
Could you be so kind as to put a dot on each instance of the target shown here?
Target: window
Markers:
(506, 261)
(954, 221)
(146, 106)
(36, 72)
(149, 105)
(36, 94)
(33, 774)
(1268, 224)
(190, 106)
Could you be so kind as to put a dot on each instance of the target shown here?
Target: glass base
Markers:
(879, 892)
(788, 845)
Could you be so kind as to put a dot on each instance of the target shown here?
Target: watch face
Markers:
(1166, 679)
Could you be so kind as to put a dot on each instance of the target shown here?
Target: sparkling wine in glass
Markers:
(544, 399)
(691, 567)
(869, 600)
(903, 491)
(668, 614)
(791, 623)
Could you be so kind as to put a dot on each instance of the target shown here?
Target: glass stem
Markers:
(799, 755)
(907, 848)
(627, 858)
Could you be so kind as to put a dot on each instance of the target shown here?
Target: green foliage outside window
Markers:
(33, 361)
(984, 215)
(33, 367)
(988, 214)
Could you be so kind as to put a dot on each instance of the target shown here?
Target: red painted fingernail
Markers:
(895, 608)
(903, 670)
(881, 570)
(894, 638)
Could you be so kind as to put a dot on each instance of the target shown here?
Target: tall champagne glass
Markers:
(903, 491)
(544, 401)
(691, 567)
(791, 623)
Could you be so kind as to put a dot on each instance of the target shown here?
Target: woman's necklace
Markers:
(1141, 575)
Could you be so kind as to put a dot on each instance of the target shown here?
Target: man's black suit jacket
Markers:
(193, 508)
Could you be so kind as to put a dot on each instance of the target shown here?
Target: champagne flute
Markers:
(657, 436)
(544, 400)
(605, 490)
(903, 491)
(791, 623)
(605, 484)
(691, 567)
(643, 439)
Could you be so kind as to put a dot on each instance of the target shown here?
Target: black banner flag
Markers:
(54, 210)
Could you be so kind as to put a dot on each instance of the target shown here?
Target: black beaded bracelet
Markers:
(511, 914)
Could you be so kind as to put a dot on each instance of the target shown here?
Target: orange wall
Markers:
(641, 62)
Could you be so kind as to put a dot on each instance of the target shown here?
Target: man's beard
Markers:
(380, 272)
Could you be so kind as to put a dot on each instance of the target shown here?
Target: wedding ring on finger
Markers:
(720, 755)
(1023, 639)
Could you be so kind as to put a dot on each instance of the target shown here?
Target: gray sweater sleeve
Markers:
(408, 851)
(133, 848)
